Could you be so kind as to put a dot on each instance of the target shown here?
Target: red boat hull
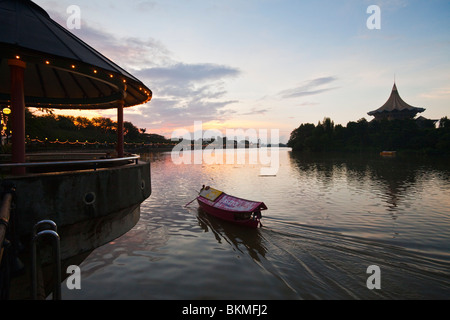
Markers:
(232, 209)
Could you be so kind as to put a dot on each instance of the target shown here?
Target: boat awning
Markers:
(220, 200)
(230, 203)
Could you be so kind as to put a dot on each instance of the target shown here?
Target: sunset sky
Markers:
(269, 64)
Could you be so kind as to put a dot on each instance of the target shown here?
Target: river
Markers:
(329, 219)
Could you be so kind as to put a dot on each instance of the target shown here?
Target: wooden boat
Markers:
(229, 208)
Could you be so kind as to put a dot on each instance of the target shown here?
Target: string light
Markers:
(95, 71)
(77, 142)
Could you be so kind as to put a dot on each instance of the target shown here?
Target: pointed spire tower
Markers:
(395, 108)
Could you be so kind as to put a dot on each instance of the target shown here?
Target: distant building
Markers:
(426, 123)
(395, 108)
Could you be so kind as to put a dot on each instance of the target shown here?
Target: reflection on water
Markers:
(329, 218)
(361, 193)
(246, 241)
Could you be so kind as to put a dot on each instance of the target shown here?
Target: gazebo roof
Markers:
(395, 104)
(62, 71)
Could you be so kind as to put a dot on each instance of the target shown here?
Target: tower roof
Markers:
(395, 104)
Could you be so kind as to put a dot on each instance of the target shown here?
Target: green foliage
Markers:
(375, 136)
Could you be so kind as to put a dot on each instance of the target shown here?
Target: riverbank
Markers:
(403, 136)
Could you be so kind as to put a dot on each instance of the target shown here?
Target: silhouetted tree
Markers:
(375, 136)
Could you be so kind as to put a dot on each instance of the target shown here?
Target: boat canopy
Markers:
(223, 201)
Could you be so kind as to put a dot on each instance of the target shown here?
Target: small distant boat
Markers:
(388, 153)
(229, 208)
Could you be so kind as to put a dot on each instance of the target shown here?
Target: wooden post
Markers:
(120, 143)
(17, 68)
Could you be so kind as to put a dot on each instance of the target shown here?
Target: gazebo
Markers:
(395, 108)
(90, 202)
(44, 65)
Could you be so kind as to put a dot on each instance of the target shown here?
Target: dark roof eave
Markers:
(417, 110)
(137, 92)
(40, 42)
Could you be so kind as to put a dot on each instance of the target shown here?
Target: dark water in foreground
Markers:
(329, 219)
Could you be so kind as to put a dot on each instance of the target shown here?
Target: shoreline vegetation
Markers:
(49, 132)
(412, 136)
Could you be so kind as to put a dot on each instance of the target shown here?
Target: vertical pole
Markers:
(120, 143)
(17, 68)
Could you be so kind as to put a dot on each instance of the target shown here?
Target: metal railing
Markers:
(94, 162)
(51, 232)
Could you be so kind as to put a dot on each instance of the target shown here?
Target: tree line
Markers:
(69, 128)
(412, 135)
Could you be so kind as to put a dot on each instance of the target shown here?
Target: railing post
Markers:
(56, 252)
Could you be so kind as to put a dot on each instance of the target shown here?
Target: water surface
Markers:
(329, 219)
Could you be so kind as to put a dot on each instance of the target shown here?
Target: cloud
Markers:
(181, 72)
(437, 93)
(309, 88)
(128, 52)
(182, 92)
(307, 104)
(390, 5)
(145, 5)
(165, 115)
(201, 80)
(255, 111)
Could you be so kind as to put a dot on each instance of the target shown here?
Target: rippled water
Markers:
(329, 219)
